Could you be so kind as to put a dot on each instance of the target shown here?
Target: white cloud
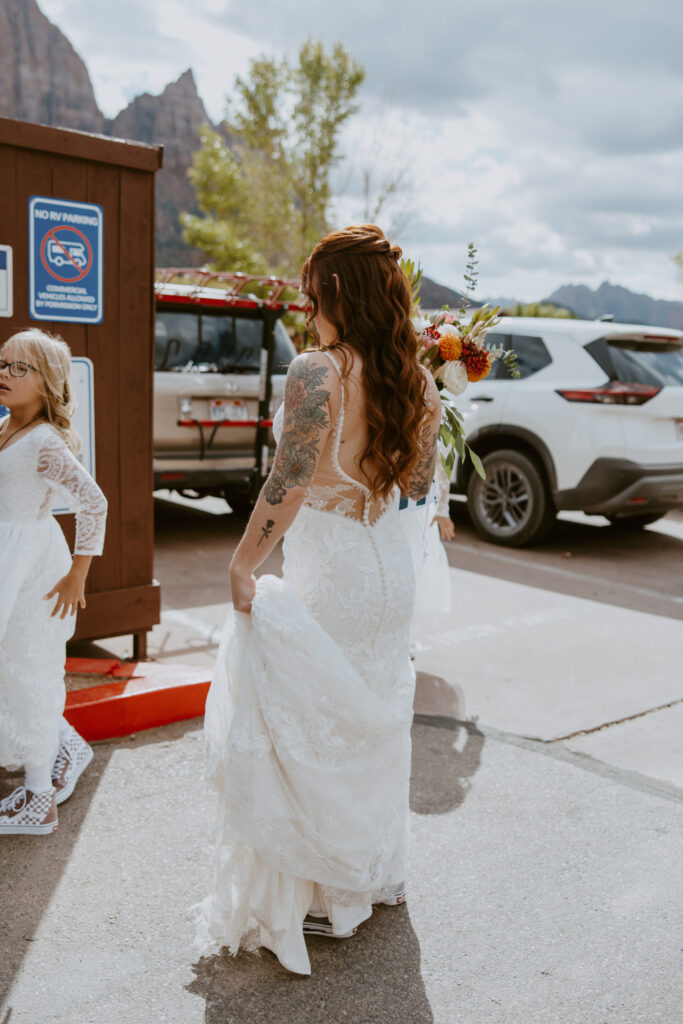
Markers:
(141, 45)
(547, 133)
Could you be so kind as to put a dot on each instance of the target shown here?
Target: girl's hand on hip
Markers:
(243, 588)
(70, 593)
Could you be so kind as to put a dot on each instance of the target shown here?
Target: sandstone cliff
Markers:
(172, 120)
(42, 78)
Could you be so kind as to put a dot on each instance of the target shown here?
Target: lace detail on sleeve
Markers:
(62, 470)
(443, 486)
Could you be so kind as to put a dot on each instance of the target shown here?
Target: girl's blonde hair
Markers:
(51, 357)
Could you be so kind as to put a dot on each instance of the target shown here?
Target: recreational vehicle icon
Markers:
(61, 252)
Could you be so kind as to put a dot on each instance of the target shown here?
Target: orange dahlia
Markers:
(477, 361)
(450, 347)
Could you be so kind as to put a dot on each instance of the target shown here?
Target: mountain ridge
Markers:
(625, 305)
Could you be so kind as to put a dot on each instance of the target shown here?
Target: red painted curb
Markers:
(158, 695)
(102, 667)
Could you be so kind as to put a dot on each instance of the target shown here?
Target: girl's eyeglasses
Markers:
(17, 369)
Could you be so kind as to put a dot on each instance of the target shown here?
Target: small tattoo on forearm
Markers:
(266, 530)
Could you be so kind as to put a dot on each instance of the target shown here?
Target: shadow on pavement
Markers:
(32, 867)
(446, 747)
(372, 978)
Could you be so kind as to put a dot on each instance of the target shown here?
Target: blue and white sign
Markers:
(82, 382)
(6, 291)
(65, 260)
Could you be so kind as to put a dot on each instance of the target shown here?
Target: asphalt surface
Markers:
(545, 880)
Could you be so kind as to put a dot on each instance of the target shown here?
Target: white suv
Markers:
(594, 423)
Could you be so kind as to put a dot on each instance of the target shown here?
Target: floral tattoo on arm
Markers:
(423, 474)
(306, 415)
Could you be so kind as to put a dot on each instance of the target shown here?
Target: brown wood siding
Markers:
(34, 160)
(84, 146)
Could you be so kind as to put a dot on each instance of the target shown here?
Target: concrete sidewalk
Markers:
(541, 890)
(545, 880)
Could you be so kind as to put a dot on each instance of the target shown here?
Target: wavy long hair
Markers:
(354, 280)
(51, 357)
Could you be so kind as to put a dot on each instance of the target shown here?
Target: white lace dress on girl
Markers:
(430, 561)
(38, 472)
(308, 726)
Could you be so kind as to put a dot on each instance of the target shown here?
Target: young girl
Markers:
(426, 525)
(42, 586)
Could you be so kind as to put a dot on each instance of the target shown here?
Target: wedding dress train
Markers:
(308, 727)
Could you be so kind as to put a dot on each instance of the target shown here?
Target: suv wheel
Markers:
(512, 506)
(635, 522)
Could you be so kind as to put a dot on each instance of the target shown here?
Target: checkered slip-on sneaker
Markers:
(321, 926)
(73, 757)
(24, 813)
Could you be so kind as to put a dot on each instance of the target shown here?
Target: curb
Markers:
(135, 696)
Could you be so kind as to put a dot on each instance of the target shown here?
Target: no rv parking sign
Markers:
(65, 260)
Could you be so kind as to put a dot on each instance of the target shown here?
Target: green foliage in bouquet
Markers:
(452, 438)
(453, 351)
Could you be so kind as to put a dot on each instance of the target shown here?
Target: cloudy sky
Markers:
(551, 134)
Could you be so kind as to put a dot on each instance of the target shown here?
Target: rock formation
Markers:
(42, 78)
(626, 306)
(172, 120)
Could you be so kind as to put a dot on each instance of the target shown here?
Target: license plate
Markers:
(224, 410)
(679, 429)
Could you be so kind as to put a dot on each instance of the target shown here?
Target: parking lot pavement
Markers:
(546, 798)
(577, 641)
(540, 891)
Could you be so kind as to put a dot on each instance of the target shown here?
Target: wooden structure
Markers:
(35, 160)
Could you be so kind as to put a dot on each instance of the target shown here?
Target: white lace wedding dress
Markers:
(38, 471)
(308, 726)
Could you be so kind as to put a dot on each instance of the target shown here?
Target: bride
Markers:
(309, 713)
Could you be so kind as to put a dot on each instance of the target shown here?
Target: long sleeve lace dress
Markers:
(430, 561)
(308, 725)
(36, 472)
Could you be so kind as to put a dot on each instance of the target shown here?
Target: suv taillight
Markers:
(616, 393)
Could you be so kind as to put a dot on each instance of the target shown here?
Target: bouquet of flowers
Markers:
(453, 350)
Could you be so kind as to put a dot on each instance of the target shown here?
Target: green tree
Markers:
(539, 309)
(263, 180)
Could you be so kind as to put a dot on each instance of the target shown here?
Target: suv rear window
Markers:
(219, 343)
(639, 362)
(532, 355)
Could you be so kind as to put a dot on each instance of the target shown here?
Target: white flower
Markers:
(420, 322)
(446, 329)
(454, 376)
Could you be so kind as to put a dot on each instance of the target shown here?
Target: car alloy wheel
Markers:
(512, 506)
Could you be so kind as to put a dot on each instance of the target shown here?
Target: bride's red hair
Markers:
(354, 279)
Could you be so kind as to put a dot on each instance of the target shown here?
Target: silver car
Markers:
(214, 393)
